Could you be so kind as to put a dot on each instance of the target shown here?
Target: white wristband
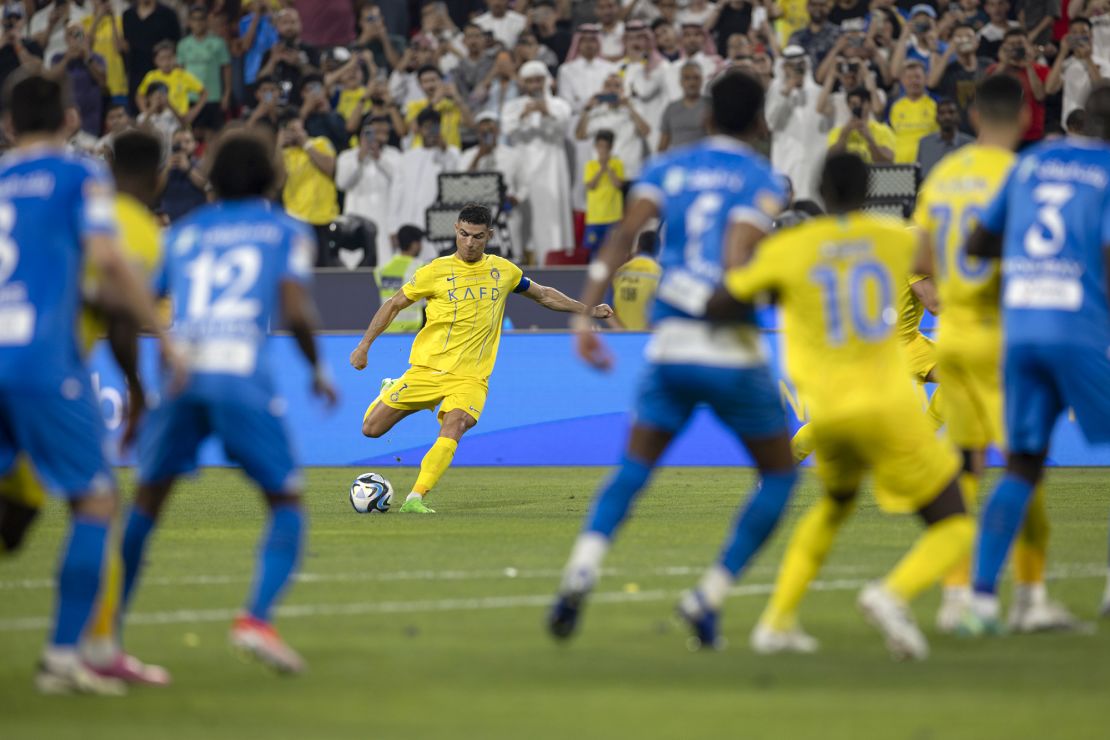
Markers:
(598, 271)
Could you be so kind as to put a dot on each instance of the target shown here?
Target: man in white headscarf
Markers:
(580, 78)
(645, 77)
(536, 125)
(798, 130)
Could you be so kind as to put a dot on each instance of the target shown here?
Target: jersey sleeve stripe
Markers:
(647, 191)
(748, 215)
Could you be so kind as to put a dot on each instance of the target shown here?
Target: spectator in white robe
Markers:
(610, 110)
(645, 77)
(697, 46)
(417, 186)
(536, 125)
(798, 130)
(491, 154)
(366, 174)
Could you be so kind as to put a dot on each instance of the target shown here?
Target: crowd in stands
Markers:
(370, 101)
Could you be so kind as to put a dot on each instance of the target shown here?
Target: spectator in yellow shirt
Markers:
(106, 31)
(604, 178)
(913, 116)
(445, 100)
(309, 191)
(187, 95)
(872, 141)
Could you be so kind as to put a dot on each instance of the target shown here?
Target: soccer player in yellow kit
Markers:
(969, 338)
(135, 168)
(836, 278)
(453, 355)
(635, 283)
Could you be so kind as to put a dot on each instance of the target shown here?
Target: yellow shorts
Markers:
(921, 356)
(422, 388)
(894, 440)
(22, 486)
(972, 399)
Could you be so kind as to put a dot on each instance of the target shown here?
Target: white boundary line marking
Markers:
(299, 611)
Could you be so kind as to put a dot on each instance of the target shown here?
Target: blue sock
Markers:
(611, 505)
(278, 558)
(132, 549)
(998, 525)
(757, 520)
(79, 580)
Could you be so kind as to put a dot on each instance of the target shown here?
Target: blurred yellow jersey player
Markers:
(836, 279)
(453, 355)
(969, 339)
(634, 285)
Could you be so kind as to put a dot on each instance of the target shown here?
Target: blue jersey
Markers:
(700, 191)
(50, 201)
(223, 267)
(1054, 212)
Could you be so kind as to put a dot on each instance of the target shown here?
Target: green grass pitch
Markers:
(430, 627)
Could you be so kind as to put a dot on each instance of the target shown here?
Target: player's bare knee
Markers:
(372, 429)
(150, 498)
(456, 423)
(100, 506)
(15, 521)
(1027, 466)
(949, 502)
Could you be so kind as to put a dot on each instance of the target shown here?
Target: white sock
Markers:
(714, 586)
(60, 657)
(584, 565)
(957, 593)
(99, 651)
(985, 606)
(412, 495)
(1030, 594)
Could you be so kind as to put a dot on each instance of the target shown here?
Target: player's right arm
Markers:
(383, 317)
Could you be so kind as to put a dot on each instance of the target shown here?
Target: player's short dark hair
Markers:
(1076, 121)
(476, 213)
(428, 115)
(136, 155)
(243, 165)
(736, 100)
(808, 207)
(999, 99)
(428, 68)
(844, 182)
(859, 92)
(1098, 111)
(605, 135)
(37, 105)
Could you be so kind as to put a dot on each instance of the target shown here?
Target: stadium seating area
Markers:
(391, 94)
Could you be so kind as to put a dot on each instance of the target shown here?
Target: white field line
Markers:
(39, 584)
(190, 616)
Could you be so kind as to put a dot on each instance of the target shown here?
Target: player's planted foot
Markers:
(129, 669)
(981, 618)
(414, 504)
(1029, 613)
(257, 639)
(953, 604)
(64, 674)
(562, 620)
(766, 640)
(701, 619)
(892, 617)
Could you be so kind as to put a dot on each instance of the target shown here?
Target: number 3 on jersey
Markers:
(871, 320)
(17, 316)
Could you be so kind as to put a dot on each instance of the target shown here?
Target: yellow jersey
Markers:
(104, 44)
(140, 238)
(309, 194)
(912, 121)
(836, 279)
(948, 207)
(910, 309)
(449, 122)
(605, 203)
(182, 87)
(858, 145)
(634, 286)
(465, 308)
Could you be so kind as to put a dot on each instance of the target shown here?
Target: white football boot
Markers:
(892, 617)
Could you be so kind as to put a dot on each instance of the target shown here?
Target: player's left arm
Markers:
(926, 291)
(298, 309)
(748, 226)
(556, 300)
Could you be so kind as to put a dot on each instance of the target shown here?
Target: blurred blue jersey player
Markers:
(233, 269)
(1050, 224)
(717, 199)
(56, 212)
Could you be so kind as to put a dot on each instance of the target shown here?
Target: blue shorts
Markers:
(594, 236)
(1042, 381)
(253, 437)
(63, 434)
(746, 400)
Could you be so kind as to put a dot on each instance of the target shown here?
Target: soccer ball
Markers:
(371, 494)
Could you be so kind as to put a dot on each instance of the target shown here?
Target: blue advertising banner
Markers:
(544, 408)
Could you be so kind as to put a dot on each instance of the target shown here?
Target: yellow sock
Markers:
(803, 443)
(935, 553)
(1031, 547)
(809, 545)
(435, 464)
(103, 624)
(960, 575)
(933, 409)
